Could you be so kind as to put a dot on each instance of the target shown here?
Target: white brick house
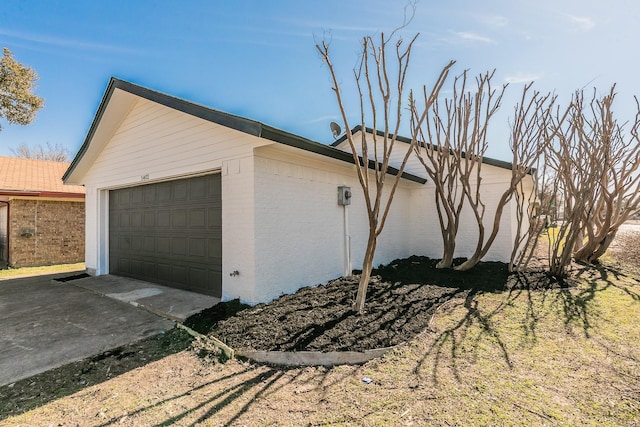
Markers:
(191, 197)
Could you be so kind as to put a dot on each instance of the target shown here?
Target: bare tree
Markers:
(617, 158)
(451, 150)
(527, 145)
(596, 167)
(380, 84)
(437, 148)
(531, 118)
(569, 165)
(451, 147)
(55, 153)
(478, 109)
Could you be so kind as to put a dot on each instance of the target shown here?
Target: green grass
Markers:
(38, 271)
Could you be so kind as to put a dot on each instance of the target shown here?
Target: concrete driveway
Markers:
(45, 324)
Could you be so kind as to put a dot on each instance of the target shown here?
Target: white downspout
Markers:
(344, 200)
(347, 243)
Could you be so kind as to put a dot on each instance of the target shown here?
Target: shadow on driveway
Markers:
(46, 324)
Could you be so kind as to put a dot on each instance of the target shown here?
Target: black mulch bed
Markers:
(401, 299)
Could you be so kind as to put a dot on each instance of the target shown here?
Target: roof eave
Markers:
(286, 138)
(47, 194)
(238, 123)
(486, 160)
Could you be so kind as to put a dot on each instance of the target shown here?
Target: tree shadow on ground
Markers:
(261, 382)
(240, 389)
(40, 389)
(574, 295)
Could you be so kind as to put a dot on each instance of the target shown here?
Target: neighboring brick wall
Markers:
(45, 232)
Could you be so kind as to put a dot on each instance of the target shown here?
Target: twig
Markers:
(228, 351)
(546, 417)
(436, 312)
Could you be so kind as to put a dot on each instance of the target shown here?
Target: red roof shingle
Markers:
(18, 174)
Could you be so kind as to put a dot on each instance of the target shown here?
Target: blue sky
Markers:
(257, 58)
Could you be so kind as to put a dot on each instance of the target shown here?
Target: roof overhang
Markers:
(486, 160)
(120, 97)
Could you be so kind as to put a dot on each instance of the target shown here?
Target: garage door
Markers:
(169, 233)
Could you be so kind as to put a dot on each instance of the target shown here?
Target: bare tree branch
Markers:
(376, 91)
(55, 153)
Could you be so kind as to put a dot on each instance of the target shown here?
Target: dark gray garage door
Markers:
(169, 233)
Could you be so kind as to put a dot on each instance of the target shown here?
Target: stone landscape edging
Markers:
(293, 358)
(313, 358)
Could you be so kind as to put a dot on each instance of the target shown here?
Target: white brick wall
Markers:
(238, 230)
(300, 226)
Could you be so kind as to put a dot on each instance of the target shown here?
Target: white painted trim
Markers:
(164, 179)
(103, 232)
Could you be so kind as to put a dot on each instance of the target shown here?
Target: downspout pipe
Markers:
(344, 200)
(348, 270)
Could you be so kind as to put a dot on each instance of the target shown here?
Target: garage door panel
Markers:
(215, 248)
(179, 274)
(169, 233)
(197, 218)
(123, 220)
(150, 194)
(149, 219)
(136, 196)
(197, 248)
(164, 270)
(164, 219)
(197, 189)
(215, 278)
(150, 269)
(123, 265)
(123, 198)
(136, 243)
(179, 218)
(198, 275)
(180, 190)
(136, 267)
(164, 192)
(150, 244)
(214, 220)
(135, 219)
(179, 246)
(164, 245)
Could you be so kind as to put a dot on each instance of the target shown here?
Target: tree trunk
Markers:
(449, 246)
(447, 258)
(367, 266)
(590, 253)
(604, 245)
(469, 264)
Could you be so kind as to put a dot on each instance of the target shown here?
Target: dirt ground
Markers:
(402, 299)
